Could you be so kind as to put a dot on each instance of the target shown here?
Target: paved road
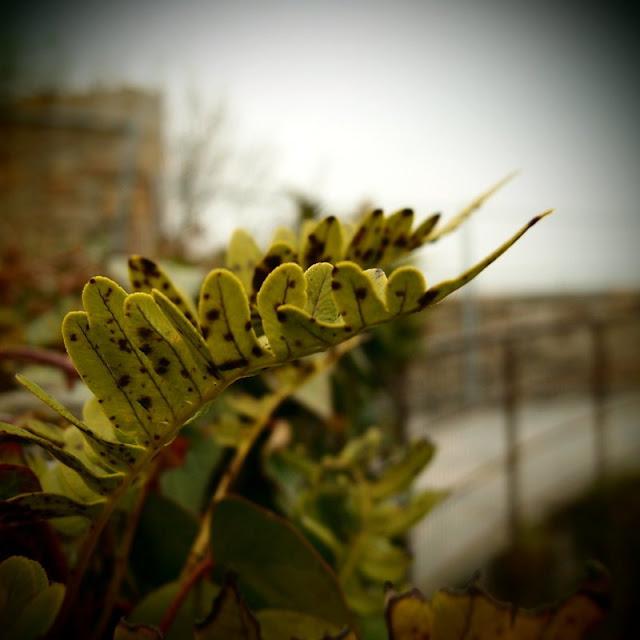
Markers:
(557, 463)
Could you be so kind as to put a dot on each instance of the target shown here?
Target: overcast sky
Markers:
(402, 103)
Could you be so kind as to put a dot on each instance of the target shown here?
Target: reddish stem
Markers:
(171, 613)
(42, 356)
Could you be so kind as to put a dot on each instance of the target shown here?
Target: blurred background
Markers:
(159, 127)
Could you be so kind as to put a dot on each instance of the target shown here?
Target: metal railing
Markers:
(511, 373)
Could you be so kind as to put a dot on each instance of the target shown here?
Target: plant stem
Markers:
(88, 546)
(170, 614)
(122, 554)
(42, 356)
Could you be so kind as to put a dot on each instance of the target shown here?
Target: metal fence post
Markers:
(599, 391)
(512, 461)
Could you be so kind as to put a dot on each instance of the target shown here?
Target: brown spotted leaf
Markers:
(243, 256)
(100, 483)
(145, 275)
(473, 613)
(460, 217)
(324, 243)
(226, 323)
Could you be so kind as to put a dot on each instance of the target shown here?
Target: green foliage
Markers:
(357, 510)
(229, 618)
(275, 564)
(28, 603)
(151, 610)
(154, 363)
(152, 366)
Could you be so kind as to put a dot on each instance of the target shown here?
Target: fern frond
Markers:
(153, 361)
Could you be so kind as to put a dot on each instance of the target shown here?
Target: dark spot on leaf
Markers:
(73, 337)
(233, 364)
(92, 281)
(213, 314)
(259, 276)
(123, 345)
(145, 402)
(176, 300)
(211, 369)
(206, 296)
(336, 285)
(228, 336)
(146, 349)
(205, 332)
(149, 267)
(247, 325)
(427, 297)
(361, 293)
(348, 328)
(273, 261)
(165, 286)
(123, 381)
(282, 317)
(357, 238)
(256, 351)
(145, 332)
(367, 254)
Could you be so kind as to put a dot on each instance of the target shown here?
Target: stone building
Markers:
(81, 170)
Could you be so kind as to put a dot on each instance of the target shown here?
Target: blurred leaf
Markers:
(15, 479)
(162, 542)
(277, 624)
(272, 559)
(383, 561)
(229, 618)
(393, 519)
(323, 244)
(127, 631)
(28, 603)
(398, 476)
(187, 485)
(153, 607)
